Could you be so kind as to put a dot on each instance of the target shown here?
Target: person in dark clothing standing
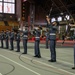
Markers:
(11, 40)
(37, 34)
(47, 38)
(2, 38)
(7, 38)
(63, 38)
(18, 41)
(25, 39)
(52, 36)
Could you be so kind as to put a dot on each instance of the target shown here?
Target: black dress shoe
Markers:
(73, 67)
(17, 51)
(24, 53)
(46, 47)
(11, 49)
(39, 56)
(35, 56)
(52, 60)
(1, 47)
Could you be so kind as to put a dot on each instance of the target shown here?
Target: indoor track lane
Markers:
(14, 63)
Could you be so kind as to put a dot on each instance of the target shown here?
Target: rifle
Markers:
(50, 10)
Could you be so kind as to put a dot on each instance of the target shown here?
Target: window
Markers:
(0, 7)
(9, 1)
(7, 6)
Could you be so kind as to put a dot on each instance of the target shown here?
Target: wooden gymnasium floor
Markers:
(16, 63)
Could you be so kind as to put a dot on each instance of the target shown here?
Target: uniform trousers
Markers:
(25, 45)
(11, 44)
(7, 43)
(37, 49)
(1, 43)
(18, 45)
(52, 49)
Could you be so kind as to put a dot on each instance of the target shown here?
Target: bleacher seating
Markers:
(10, 25)
(5, 27)
(13, 23)
(2, 23)
(8, 21)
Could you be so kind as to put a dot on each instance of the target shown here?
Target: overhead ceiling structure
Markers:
(55, 7)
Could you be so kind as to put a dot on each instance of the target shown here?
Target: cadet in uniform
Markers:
(11, 40)
(2, 38)
(47, 38)
(7, 38)
(37, 33)
(52, 36)
(25, 39)
(18, 41)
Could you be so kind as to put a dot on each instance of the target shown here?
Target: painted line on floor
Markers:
(42, 56)
(20, 65)
(51, 66)
(57, 68)
(62, 61)
(46, 64)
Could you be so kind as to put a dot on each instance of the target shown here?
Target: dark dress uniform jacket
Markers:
(2, 36)
(52, 31)
(37, 35)
(25, 34)
(18, 37)
(7, 35)
(12, 36)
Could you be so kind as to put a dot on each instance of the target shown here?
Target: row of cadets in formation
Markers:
(37, 33)
(9, 36)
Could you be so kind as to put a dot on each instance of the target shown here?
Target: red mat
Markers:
(59, 42)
